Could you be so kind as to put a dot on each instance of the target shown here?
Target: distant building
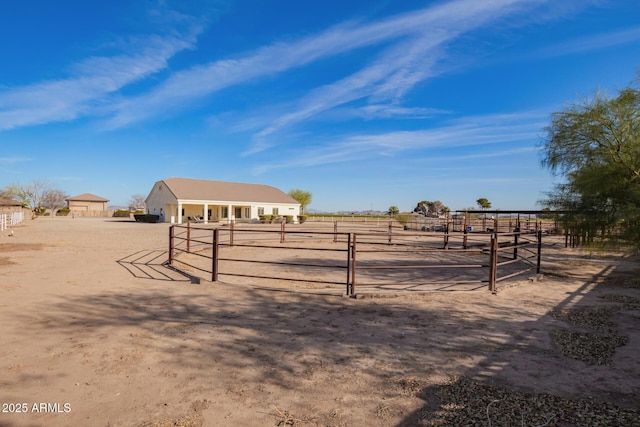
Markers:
(88, 204)
(178, 199)
(9, 205)
(11, 212)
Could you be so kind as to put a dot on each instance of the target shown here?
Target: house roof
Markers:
(5, 201)
(86, 197)
(199, 189)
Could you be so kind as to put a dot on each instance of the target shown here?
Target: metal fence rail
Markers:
(384, 258)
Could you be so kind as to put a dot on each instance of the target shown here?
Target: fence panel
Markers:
(10, 219)
(387, 259)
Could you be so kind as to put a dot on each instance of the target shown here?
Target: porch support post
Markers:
(179, 213)
(206, 213)
(229, 213)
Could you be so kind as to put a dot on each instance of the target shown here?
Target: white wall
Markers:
(162, 202)
(158, 199)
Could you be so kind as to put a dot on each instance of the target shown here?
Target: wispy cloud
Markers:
(387, 111)
(93, 80)
(13, 160)
(478, 130)
(429, 26)
(391, 76)
(387, 77)
(593, 42)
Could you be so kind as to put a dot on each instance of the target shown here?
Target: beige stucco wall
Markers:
(85, 206)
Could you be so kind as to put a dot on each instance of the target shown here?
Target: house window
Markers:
(275, 211)
(260, 211)
(225, 212)
(247, 212)
(238, 212)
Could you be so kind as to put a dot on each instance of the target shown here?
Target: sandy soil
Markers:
(99, 331)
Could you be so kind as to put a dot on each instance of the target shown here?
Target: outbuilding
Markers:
(11, 212)
(8, 205)
(178, 199)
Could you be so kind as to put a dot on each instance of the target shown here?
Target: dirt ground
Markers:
(96, 331)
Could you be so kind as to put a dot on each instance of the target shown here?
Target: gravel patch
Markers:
(468, 403)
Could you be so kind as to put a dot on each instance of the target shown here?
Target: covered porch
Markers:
(208, 212)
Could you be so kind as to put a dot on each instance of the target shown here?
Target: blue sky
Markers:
(366, 104)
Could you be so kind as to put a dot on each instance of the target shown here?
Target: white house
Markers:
(178, 199)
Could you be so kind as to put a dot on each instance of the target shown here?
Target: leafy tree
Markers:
(422, 207)
(54, 199)
(393, 211)
(428, 208)
(301, 196)
(595, 144)
(483, 203)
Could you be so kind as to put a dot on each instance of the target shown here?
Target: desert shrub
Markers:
(404, 219)
(63, 212)
(302, 218)
(288, 218)
(121, 213)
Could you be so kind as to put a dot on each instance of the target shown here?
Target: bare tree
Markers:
(30, 195)
(137, 202)
(54, 199)
(435, 208)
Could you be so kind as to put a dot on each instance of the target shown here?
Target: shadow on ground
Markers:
(381, 352)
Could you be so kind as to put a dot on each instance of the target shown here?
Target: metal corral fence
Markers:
(9, 219)
(459, 221)
(364, 261)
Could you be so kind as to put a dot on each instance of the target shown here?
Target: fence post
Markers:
(446, 237)
(390, 230)
(493, 263)
(515, 242)
(348, 264)
(171, 244)
(282, 231)
(539, 250)
(214, 255)
(335, 231)
(353, 265)
(464, 238)
(188, 236)
(231, 232)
